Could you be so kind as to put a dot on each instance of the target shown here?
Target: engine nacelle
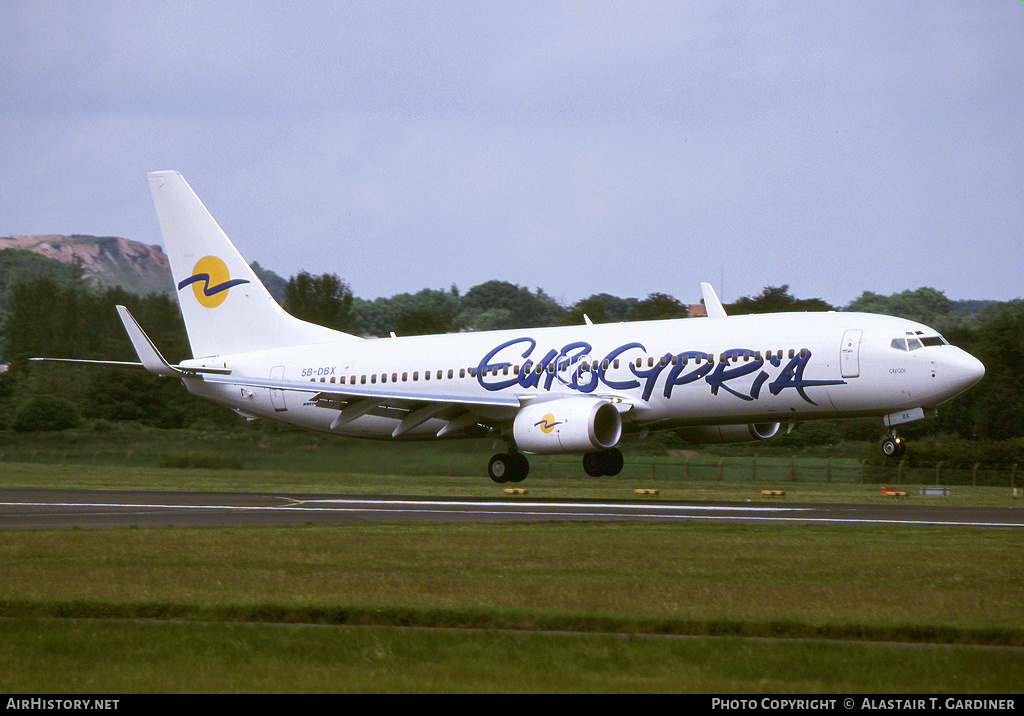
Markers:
(717, 434)
(567, 425)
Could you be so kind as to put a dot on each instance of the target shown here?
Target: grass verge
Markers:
(99, 656)
(897, 583)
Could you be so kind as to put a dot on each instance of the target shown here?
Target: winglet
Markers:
(148, 354)
(712, 305)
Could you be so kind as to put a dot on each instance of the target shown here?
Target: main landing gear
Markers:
(605, 462)
(508, 467)
(514, 467)
(894, 446)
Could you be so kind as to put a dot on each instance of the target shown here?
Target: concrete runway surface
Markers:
(65, 509)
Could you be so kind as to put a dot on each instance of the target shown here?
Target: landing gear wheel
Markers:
(505, 467)
(592, 464)
(500, 468)
(605, 463)
(893, 447)
(613, 462)
(521, 467)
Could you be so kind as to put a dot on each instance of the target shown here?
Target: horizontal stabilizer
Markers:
(148, 354)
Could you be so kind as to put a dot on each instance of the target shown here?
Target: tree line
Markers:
(53, 312)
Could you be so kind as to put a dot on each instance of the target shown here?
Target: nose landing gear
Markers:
(894, 446)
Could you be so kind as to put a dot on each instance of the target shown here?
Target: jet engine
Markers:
(716, 434)
(567, 425)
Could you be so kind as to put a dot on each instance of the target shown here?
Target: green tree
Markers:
(49, 320)
(325, 300)
(924, 305)
(996, 405)
(427, 312)
(658, 306)
(600, 308)
(46, 412)
(271, 281)
(775, 299)
(499, 304)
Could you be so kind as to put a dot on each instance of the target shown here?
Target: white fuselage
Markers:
(775, 368)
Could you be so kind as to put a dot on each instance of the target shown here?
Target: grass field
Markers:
(301, 452)
(578, 607)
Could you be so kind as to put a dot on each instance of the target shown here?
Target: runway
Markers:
(67, 509)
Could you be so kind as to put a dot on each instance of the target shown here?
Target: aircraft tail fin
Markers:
(225, 306)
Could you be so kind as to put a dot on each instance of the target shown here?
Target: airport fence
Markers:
(408, 460)
(799, 469)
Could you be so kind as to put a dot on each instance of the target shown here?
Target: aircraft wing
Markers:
(460, 411)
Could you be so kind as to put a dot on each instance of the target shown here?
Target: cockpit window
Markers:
(916, 341)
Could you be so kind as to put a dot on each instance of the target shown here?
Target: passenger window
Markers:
(462, 372)
(451, 373)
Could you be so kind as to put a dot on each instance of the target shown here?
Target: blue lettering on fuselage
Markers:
(574, 367)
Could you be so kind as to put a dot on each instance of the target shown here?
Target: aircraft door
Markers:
(277, 396)
(849, 354)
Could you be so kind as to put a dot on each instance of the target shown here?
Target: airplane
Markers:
(571, 389)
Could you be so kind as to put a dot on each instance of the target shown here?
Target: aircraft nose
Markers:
(960, 371)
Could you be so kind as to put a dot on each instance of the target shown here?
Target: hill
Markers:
(106, 261)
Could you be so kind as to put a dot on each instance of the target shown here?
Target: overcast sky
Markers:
(580, 147)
